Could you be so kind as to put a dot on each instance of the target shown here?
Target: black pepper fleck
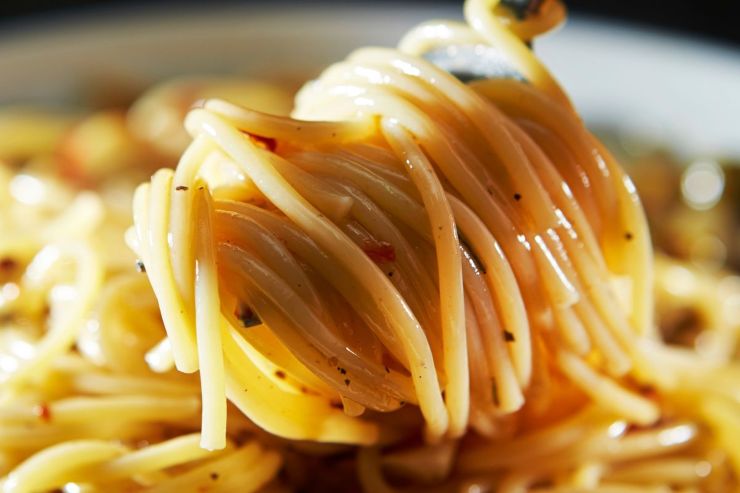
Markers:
(509, 337)
(517, 196)
(181, 187)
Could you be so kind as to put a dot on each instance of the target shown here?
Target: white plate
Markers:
(677, 91)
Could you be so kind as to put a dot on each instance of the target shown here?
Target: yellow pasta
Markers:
(411, 283)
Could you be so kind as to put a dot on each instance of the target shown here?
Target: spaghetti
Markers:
(409, 271)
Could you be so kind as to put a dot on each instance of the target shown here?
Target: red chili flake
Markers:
(43, 411)
(648, 391)
(267, 143)
(69, 167)
(380, 252)
(7, 264)
(633, 427)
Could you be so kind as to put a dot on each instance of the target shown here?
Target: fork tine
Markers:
(473, 62)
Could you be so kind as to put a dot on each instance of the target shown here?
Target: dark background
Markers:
(713, 19)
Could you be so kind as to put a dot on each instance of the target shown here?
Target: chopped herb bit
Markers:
(140, 267)
(517, 196)
(509, 337)
(246, 316)
(280, 374)
(181, 188)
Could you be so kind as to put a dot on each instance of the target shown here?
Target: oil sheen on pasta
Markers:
(408, 284)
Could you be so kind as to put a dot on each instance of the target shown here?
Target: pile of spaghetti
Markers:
(410, 284)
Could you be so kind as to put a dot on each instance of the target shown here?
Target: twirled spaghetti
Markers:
(409, 269)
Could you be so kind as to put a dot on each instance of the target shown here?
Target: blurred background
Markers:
(710, 18)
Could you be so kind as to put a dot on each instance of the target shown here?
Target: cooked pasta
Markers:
(412, 283)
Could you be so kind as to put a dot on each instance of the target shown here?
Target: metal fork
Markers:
(475, 62)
